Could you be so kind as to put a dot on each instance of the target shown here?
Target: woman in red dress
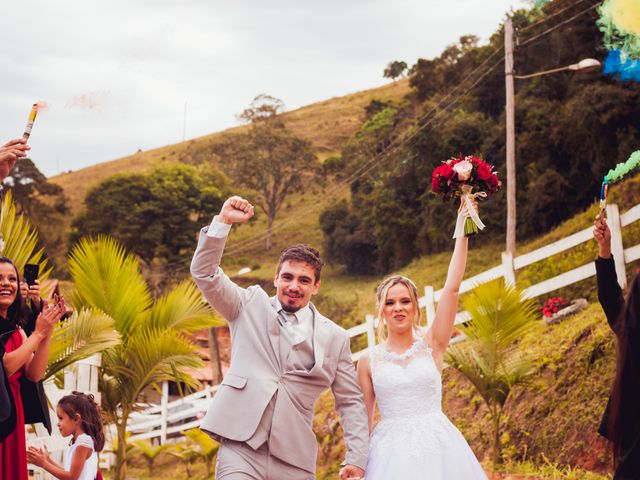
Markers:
(23, 356)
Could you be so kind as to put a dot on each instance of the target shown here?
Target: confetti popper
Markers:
(30, 121)
(603, 198)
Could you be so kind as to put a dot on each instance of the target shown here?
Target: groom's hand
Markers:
(351, 472)
(235, 210)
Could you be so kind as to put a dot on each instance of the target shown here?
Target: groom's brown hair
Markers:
(302, 252)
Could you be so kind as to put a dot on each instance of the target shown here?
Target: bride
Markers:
(414, 439)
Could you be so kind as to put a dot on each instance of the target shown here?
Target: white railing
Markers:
(509, 266)
(170, 418)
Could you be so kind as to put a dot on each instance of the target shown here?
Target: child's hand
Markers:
(38, 456)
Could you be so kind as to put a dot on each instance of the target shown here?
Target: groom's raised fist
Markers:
(235, 210)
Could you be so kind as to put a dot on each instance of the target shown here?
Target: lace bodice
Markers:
(406, 385)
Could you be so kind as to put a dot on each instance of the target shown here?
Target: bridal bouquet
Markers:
(470, 178)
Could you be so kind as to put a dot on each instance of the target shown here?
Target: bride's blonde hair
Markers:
(381, 297)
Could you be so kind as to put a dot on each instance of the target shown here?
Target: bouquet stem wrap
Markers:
(468, 221)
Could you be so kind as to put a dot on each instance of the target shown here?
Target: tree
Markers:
(20, 239)
(490, 358)
(207, 447)
(570, 130)
(188, 452)
(155, 346)
(269, 160)
(395, 69)
(347, 241)
(262, 107)
(40, 200)
(33, 194)
(155, 214)
(149, 452)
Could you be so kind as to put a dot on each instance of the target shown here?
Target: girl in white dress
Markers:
(414, 439)
(78, 416)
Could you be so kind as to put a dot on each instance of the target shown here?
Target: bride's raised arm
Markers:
(439, 332)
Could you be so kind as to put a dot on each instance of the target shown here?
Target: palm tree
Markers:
(149, 451)
(490, 358)
(187, 452)
(207, 447)
(155, 345)
(84, 333)
(20, 238)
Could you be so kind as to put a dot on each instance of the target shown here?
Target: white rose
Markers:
(463, 169)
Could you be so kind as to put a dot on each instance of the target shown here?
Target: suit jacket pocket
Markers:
(235, 381)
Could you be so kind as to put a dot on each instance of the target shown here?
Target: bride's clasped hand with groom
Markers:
(285, 353)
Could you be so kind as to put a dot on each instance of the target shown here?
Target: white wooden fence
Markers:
(159, 422)
(509, 266)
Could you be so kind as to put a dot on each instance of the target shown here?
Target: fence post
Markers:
(70, 378)
(371, 331)
(430, 304)
(617, 247)
(164, 412)
(507, 266)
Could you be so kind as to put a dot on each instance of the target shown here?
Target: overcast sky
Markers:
(116, 74)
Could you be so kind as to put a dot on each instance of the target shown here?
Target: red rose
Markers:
(483, 171)
(435, 184)
(445, 170)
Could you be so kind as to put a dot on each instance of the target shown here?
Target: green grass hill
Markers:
(327, 124)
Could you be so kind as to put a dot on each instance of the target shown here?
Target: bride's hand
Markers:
(463, 207)
(351, 472)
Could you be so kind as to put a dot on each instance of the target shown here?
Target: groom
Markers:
(284, 355)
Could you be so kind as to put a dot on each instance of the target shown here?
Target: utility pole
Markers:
(510, 113)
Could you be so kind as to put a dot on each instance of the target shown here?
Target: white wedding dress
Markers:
(414, 439)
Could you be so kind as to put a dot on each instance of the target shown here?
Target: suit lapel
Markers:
(320, 336)
(273, 328)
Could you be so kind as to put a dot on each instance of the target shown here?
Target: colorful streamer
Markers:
(623, 169)
(540, 4)
(620, 23)
(625, 70)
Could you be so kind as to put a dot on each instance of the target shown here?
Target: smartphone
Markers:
(31, 271)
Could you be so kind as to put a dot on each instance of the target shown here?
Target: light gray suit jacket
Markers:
(256, 373)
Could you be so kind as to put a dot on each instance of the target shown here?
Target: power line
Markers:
(549, 17)
(397, 142)
(555, 27)
(367, 167)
